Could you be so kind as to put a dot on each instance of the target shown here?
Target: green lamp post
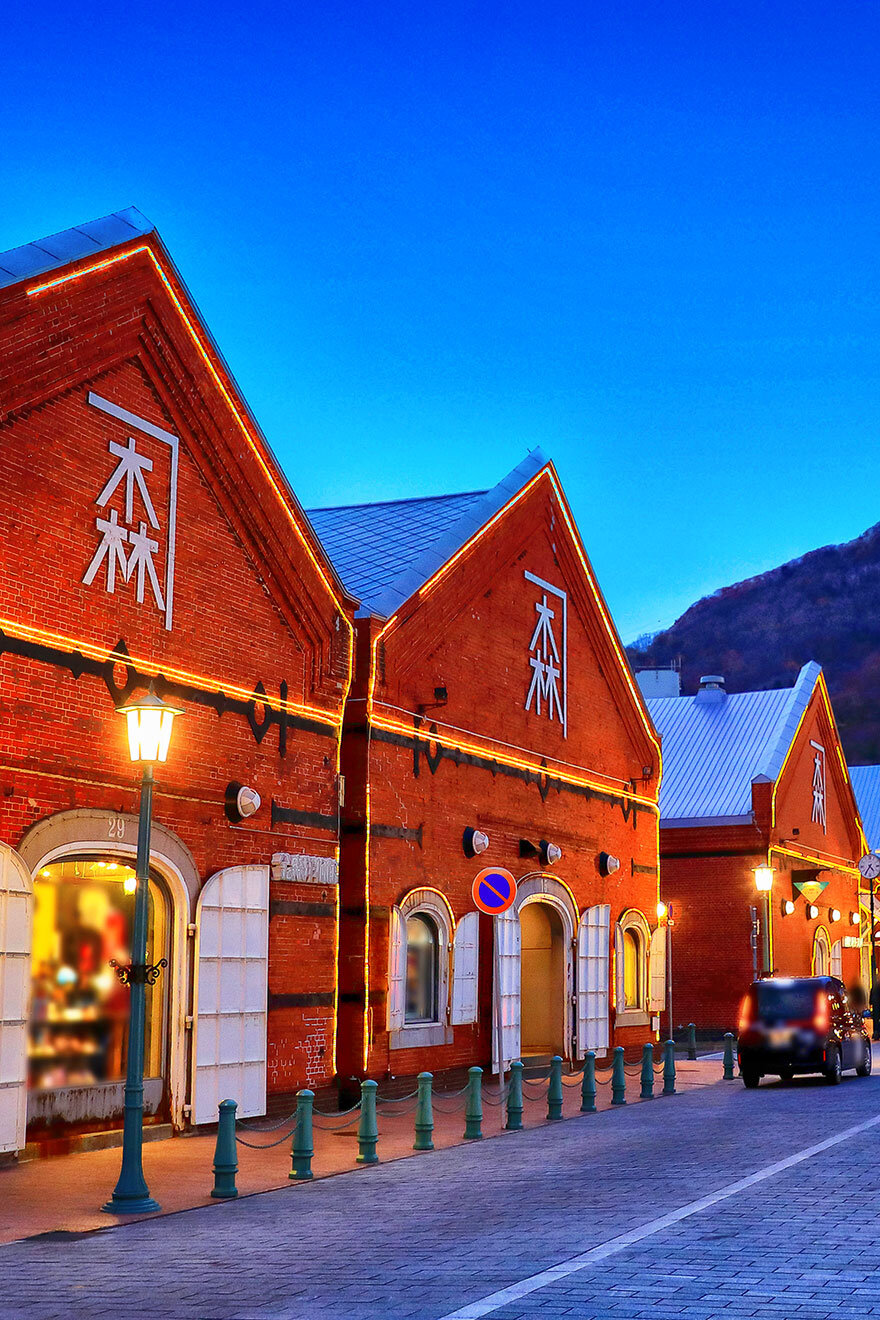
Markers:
(149, 733)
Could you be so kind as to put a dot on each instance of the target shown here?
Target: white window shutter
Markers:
(16, 918)
(465, 960)
(619, 995)
(657, 970)
(837, 960)
(396, 970)
(231, 992)
(506, 981)
(593, 956)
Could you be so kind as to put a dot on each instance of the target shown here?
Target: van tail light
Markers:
(745, 1015)
(822, 1018)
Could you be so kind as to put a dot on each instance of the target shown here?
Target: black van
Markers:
(800, 1025)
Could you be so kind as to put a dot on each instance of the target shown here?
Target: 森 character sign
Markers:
(494, 890)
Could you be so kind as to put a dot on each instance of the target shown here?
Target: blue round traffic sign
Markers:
(494, 890)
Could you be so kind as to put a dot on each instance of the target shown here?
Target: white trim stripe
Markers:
(494, 1301)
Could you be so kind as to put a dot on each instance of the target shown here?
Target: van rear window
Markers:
(795, 1001)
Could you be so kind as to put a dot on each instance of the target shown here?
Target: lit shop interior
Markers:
(83, 916)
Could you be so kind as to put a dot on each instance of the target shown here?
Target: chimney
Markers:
(711, 689)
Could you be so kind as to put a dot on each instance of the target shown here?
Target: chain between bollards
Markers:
(515, 1098)
(473, 1109)
(303, 1144)
(424, 1114)
(368, 1130)
(647, 1091)
(225, 1154)
(669, 1068)
(692, 1041)
(618, 1078)
(728, 1056)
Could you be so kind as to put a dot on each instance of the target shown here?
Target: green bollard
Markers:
(647, 1091)
(424, 1114)
(554, 1090)
(669, 1068)
(302, 1150)
(368, 1131)
(728, 1056)
(692, 1041)
(473, 1109)
(515, 1098)
(225, 1155)
(588, 1086)
(618, 1078)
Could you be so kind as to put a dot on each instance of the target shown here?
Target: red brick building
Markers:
(754, 779)
(491, 708)
(149, 535)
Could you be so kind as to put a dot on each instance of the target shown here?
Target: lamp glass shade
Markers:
(149, 721)
(835, 914)
(764, 879)
(661, 911)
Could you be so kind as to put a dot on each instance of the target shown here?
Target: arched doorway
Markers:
(79, 1015)
(542, 980)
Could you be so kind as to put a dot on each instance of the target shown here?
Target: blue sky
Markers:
(429, 237)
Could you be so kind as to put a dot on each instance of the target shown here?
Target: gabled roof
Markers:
(866, 786)
(385, 552)
(45, 254)
(713, 749)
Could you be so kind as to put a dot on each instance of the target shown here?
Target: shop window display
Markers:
(83, 917)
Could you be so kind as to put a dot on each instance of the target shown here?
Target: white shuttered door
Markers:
(396, 970)
(593, 941)
(507, 988)
(229, 1045)
(465, 960)
(16, 917)
(837, 960)
(657, 970)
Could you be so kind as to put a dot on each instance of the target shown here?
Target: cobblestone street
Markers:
(471, 1230)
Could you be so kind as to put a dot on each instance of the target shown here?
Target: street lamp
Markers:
(664, 913)
(763, 884)
(149, 733)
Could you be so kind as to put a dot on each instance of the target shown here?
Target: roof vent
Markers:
(711, 688)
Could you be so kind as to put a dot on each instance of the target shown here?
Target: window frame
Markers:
(632, 922)
(416, 1034)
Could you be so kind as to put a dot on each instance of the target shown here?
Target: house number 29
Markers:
(115, 827)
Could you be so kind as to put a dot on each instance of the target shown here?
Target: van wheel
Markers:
(751, 1079)
(833, 1066)
(864, 1068)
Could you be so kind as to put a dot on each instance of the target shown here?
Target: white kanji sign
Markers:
(548, 661)
(818, 813)
(127, 550)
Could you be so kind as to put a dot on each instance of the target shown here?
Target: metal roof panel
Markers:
(46, 254)
(866, 786)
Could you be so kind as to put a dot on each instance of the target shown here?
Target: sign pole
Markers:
(494, 892)
(875, 1025)
(496, 1003)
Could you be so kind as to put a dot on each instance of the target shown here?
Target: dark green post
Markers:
(131, 1196)
(692, 1041)
(647, 1091)
(424, 1114)
(473, 1109)
(303, 1149)
(368, 1131)
(225, 1155)
(554, 1090)
(588, 1086)
(669, 1068)
(515, 1098)
(618, 1078)
(728, 1056)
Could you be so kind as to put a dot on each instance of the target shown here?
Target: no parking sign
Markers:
(494, 891)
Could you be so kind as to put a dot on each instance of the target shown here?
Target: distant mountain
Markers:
(824, 606)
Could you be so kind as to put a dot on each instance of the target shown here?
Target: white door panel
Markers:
(506, 988)
(465, 964)
(593, 950)
(230, 1009)
(16, 916)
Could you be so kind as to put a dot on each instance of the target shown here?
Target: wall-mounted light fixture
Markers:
(812, 911)
(550, 853)
(242, 802)
(474, 842)
(608, 864)
(787, 907)
(835, 914)
(854, 919)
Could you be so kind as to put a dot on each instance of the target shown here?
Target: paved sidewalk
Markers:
(426, 1237)
(66, 1193)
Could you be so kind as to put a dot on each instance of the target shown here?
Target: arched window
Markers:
(422, 968)
(631, 943)
(821, 953)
